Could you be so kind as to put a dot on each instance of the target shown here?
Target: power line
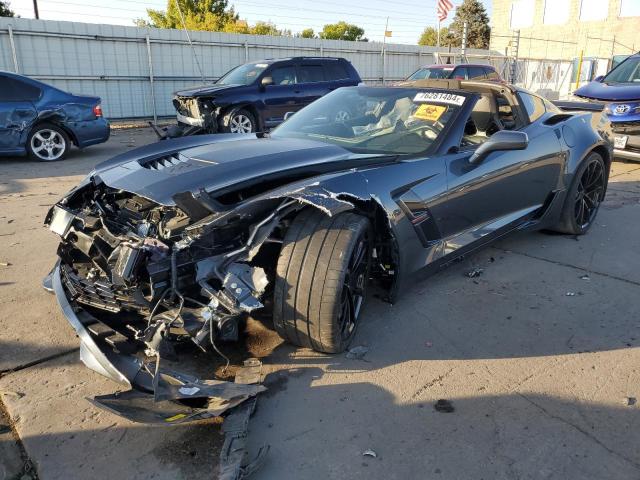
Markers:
(403, 19)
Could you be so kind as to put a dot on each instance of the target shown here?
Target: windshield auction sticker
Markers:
(439, 97)
(429, 112)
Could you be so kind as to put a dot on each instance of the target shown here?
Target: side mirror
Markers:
(288, 115)
(500, 141)
(599, 78)
(266, 81)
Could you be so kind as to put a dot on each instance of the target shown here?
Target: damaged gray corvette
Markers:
(179, 240)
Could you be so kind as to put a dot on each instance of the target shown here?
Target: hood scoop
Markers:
(172, 164)
(161, 163)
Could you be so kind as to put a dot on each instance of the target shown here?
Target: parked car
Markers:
(180, 239)
(619, 92)
(43, 121)
(465, 71)
(256, 96)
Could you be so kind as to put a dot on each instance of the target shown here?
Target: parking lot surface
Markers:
(538, 355)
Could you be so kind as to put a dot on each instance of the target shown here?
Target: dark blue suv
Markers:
(619, 92)
(42, 121)
(256, 96)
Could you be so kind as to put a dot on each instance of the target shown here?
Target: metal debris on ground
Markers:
(236, 427)
(476, 272)
(428, 344)
(585, 277)
(369, 453)
(570, 294)
(444, 406)
(357, 353)
(5, 264)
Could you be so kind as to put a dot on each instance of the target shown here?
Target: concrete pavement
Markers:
(542, 382)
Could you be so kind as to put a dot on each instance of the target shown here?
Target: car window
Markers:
(476, 73)
(427, 73)
(335, 71)
(482, 122)
(284, 75)
(492, 74)
(12, 90)
(460, 73)
(311, 74)
(533, 104)
(505, 113)
(243, 74)
(379, 121)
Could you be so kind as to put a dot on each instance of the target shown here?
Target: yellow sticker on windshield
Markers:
(429, 112)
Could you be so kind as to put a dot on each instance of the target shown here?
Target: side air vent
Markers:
(161, 163)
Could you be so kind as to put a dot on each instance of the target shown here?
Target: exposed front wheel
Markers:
(47, 143)
(584, 196)
(239, 121)
(321, 281)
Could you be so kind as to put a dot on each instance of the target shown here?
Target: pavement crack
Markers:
(431, 383)
(581, 430)
(569, 265)
(7, 371)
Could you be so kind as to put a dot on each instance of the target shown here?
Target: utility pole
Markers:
(384, 50)
(35, 9)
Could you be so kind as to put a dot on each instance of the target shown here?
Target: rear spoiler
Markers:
(578, 106)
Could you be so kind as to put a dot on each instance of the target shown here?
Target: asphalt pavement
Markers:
(538, 356)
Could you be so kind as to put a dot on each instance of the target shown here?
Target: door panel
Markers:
(16, 119)
(17, 114)
(282, 96)
(312, 83)
(502, 190)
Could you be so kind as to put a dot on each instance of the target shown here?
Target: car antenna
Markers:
(184, 27)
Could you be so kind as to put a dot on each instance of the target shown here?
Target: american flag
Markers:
(443, 8)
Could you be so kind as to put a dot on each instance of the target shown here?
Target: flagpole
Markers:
(438, 42)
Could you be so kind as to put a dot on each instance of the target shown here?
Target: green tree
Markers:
(265, 28)
(207, 15)
(343, 31)
(5, 11)
(478, 30)
(210, 15)
(307, 33)
(430, 37)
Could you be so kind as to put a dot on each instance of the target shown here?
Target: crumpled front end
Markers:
(134, 276)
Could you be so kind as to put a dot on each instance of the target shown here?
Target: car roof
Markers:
(451, 65)
(290, 59)
(456, 84)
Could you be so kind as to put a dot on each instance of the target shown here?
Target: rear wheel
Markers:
(48, 143)
(322, 274)
(584, 196)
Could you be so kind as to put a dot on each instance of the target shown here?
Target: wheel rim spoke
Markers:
(589, 193)
(353, 289)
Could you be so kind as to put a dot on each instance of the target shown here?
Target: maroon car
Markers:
(465, 71)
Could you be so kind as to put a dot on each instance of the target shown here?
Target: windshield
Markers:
(627, 72)
(243, 75)
(374, 120)
(425, 73)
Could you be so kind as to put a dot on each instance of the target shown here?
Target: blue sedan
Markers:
(42, 121)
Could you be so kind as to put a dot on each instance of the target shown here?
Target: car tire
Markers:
(321, 280)
(584, 196)
(48, 143)
(239, 121)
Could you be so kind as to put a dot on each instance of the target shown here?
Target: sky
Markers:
(407, 18)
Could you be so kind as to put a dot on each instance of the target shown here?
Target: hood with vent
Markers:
(159, 175)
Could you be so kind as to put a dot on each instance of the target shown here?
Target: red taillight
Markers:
(97, 110)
